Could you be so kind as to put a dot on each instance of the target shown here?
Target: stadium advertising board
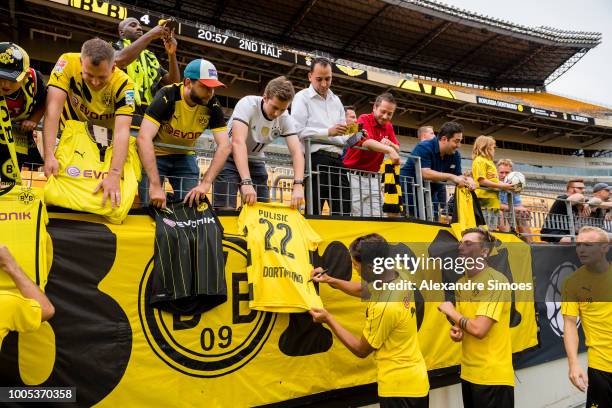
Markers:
(500, 104)
(579, 118)
(517, 107)
(96, 6)
(207, 35)
(306, 60)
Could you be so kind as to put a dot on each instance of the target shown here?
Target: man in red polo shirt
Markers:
(365, 183)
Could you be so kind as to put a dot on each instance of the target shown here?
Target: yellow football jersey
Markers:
(482, 168)
(80, 171)
(279, 240)
(18, 314)
(179, 123)
(391, 328)
(84, 104)
(487, 361)
(466, 214)
(23, 220)
(587, 295)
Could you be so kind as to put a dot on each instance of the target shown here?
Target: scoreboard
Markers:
(193, 31)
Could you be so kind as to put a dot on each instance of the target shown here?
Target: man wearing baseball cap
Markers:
(177, 116)
(602, 187)
(24, 92)
(601, 195)
(14, 63)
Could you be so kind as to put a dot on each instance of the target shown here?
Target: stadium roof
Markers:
(238, 59)
(421, 37)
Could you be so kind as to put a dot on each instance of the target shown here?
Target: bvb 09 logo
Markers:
(217, 342)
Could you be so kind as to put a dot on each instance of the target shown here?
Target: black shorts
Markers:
(487, 396)
(136, 121)
(137, 116)
(404, 402)
(599, 392)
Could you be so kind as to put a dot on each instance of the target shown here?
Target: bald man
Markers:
(142, 65)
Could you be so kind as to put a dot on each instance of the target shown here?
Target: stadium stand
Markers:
(540, 99)
(460, 66)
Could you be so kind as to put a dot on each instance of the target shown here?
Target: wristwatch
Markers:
(298, 181)
(246, 182)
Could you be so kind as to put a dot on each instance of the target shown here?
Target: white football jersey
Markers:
(262, 131)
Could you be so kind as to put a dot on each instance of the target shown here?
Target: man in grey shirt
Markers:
(319, 115)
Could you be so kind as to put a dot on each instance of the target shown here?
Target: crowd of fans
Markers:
(168, 114)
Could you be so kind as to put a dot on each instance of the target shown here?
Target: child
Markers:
(485, 174)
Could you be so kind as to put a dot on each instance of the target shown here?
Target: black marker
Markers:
(324, 271)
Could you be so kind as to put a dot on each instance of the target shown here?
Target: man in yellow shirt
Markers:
(177, 116)
(23, 311)
(87, 87)
(482, 324)
(587, 293)
(390, 330)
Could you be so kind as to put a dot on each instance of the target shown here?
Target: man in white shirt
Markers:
(320, 116)
(256, 122)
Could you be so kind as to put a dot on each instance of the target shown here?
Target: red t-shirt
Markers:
(366, 159)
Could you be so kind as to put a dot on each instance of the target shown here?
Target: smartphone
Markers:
(171, 24)
(356, 138)
(354, 128)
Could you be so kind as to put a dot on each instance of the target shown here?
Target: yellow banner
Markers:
(105, 340)
(96, 6)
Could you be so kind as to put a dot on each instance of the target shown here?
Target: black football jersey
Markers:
(189, 266)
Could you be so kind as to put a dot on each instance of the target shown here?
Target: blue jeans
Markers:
(182, 172)
(226, 184)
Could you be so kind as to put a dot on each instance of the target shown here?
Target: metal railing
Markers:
(363, 191)
(226, 194)
(359, 193)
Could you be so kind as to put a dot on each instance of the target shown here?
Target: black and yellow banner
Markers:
(105, 340)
